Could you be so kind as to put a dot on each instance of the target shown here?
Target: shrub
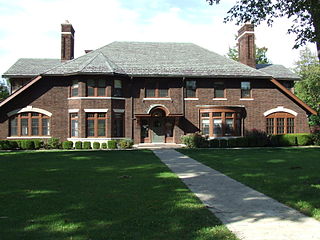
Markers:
(223, 143)
(86, 145)
(96, 145)
(38, 143)
(213, 143)
(5, 145)
(238, 142)
(104, 145)
(78, 145)
(112, 144)
(54, 143)
(304, 139)
(274, 140)
(288, 140)
(67, 145)
(194, 140)
(316, 138)
(125, 143)
(26, 144)
(13, 145)
(256, 138)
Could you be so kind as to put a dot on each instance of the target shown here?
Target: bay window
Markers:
(74, 88)
(157, 89)
(96, 124)
(117, 88)
(96, 88)
(74, 125)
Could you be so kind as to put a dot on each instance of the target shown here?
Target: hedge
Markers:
(125, 143)
(86, 145)
(67, 145)
(96, 145)
(112, 144)
(78, 145)
(104, 145)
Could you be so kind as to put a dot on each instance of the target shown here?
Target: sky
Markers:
(31, 28)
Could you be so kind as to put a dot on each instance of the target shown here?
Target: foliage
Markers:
(304, 139)
(78, 145)
(125, 143)
(26, 144)
(67, 145)
(104, 145)
(96, 145)
(86, 145)
(5, 145)
(194, 140)
(112, 144)
(4, 92)
(316, 138)
(53, 143)
(303, 13)
(261, 57)
(256, 138)
(308, 89)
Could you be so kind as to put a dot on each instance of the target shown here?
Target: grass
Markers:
(84, 195)
(290, 175)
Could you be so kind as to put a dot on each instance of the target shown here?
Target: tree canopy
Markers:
(4, 92)
(261, 57)
(303, 13)
(308, 89)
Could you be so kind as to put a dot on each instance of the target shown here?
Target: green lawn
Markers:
(98, 195)
(290, 175)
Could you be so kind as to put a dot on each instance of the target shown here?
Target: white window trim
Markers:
(73, 110)
(29, 109)
(220, 99)
(96, 110)
(28, 137)
(280, 109)
(163, 99)
(116, 98)
(191, 99)
(246, 99)
(118, 110)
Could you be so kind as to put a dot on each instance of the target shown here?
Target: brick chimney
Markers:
(246, 45)
(67, 41)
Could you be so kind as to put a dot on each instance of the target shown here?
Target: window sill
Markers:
(164, 99)
(93, 138)
(246, 99)
(76, 98)
(191, 99)
(219, 99)
(28, 137)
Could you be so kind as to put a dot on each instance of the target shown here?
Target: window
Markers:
(245, 90)
(144, 128)
(157, 89)
(220, 122)
(191, 87)
(96, 124)
(74, 88)
(96, 88)
(280, 123)
(288, 84)
(117, 88)
(219, 90)
(118, 125)
(74, 125)
(30, 124)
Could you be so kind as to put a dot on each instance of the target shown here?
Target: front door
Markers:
(157, 131)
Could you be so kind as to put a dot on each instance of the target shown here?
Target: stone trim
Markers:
(96, 110)
(280, 109)
(29, 109)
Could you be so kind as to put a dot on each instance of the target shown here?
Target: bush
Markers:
(78, 145)
(5, 145)
(238, 142)
(304, 139)
(223, 143)
(213, 143)
(54, 143)
(316, 138)
(38, 143)
(96, 145)
(86, 145)
(288, 140)
(112, 144)
(256, 138)
(104, 145)
(194, 140)
(67, 145)
(13, 145)
(125, 143)
(26, 144)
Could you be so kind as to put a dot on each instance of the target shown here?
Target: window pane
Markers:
(101, 92)
(150, 93)
(229, 127)
(205, 115)
(35, 114)
(217, 114)
(238, 127)
(290, 125)
(14, 127)
(74, 128)
(101, 115)
(219, 90)
(144, 129)
(270, 126)
(90, 115)
(191, 88)
(117, 84)
(24, 126)
(101, 83)
(205, 125)
(163, 93)
(90, 128)
(34, 126)
(217, 126)
(229, 114)
(101, 127)
(74, 88)
(245, 89)
(280, 125)
(90, 88)
(118, 127)
(45, 127)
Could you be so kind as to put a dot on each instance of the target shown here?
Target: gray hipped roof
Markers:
(278, 71)
(156, 59)
(31, 67)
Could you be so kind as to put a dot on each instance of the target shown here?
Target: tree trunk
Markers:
(315, 13)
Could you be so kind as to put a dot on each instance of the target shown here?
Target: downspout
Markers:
(182, 99)
(132, 109)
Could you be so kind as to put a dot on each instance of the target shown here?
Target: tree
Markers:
(308, 89)
(4, 92)
(261, 57)
(304, 14)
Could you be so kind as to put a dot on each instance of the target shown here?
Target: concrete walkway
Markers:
(247, 213)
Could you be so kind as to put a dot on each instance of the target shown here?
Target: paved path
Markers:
(247, 213)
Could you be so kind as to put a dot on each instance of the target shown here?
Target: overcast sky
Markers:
(31, 28)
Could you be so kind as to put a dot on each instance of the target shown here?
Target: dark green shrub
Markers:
(213, 143)
(194, 140)
(238, 142)
(96, 145)
(86, 145)
(5, 145)
(288, 140)
(304, 139)
(78, 145)
(13, 145)
(223, 143)
(38, 143)
(125, 143)
(316, 138)
(67, 145)
(104, 145)
(256, 138)
(53, 143)
(27, 144)
(275, 140)
(112, 144)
